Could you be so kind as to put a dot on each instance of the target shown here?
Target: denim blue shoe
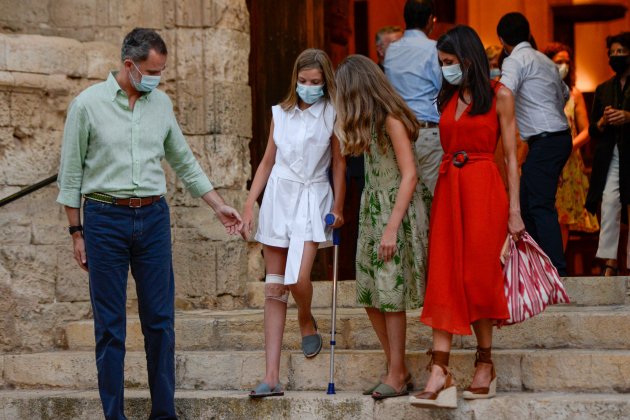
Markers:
(264, 390)
(312, 344)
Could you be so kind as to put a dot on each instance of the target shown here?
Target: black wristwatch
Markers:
(73, 229)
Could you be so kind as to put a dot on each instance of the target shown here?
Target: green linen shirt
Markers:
(109, 148)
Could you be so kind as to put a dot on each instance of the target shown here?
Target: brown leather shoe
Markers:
(446, 397)
(484, 355)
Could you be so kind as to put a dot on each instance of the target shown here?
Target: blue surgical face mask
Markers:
(147, 83)
(453, 74)
(495, 72)
(310, 93)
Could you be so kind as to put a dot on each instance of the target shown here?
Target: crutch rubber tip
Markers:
(331, 389)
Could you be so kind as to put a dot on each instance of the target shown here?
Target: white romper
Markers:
(298, 194)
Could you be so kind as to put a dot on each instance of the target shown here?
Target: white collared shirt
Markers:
(298, 194)
(539, 92)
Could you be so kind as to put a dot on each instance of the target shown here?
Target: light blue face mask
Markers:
(310, 93)
(147, 83)
(453, 74)
(495, 72)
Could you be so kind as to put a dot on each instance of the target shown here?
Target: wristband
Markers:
(74, 229)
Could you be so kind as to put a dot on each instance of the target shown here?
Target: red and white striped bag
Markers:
(531, 280)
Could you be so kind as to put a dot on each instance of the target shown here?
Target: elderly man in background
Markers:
(385, 36)
(117, 132)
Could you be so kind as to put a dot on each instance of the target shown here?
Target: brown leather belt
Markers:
(427, 124)
(133, 202)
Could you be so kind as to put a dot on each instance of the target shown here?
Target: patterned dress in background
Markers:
(573, 185)
(396, 285)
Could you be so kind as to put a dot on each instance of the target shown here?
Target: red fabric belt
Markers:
(462, 158)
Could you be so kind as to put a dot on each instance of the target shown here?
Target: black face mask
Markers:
(619, 63)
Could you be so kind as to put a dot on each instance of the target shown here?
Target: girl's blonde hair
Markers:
(310, 59)
(364, 100)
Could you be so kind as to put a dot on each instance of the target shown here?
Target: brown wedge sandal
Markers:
(484, 355)
(445, 397)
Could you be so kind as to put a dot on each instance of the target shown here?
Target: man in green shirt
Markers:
(117, 132)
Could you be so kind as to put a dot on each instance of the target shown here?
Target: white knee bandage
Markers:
(275, 288)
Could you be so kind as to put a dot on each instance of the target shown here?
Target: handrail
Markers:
(28, 190)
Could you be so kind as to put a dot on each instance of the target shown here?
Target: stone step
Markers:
(588, 291)
(518, 370)
(207, 405)
(560, 326)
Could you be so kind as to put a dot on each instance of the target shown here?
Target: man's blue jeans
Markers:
(116, 238)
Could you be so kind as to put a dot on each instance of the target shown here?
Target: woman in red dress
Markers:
(470, 216)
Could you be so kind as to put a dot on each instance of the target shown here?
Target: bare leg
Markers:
(441, 342)
(377, 318)
(275, 316)
(302, 291)
(483, 372)
(396, 324)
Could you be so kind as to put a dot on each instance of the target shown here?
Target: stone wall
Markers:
(50, 51)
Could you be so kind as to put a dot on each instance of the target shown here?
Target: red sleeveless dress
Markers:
(468, 225)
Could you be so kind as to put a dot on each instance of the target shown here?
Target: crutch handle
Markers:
(330, 219)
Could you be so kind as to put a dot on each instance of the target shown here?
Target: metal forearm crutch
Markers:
(330, 219)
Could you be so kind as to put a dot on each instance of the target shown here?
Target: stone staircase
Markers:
(571, 362)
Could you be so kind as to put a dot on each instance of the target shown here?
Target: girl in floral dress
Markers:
(391, 252)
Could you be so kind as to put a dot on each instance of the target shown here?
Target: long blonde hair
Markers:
(311, 59)
(364, 100)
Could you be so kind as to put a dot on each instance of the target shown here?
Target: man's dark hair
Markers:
(622, 38)
(513, 28)
(139, 42)
(417, 13)
(464, 43)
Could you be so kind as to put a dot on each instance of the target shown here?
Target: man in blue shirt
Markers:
(412, 67)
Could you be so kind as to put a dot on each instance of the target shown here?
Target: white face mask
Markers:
(310, 93)
(563, 69)
(453, 74)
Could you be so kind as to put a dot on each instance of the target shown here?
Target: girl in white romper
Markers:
(294, 174)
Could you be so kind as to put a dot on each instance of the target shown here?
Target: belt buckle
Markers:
(460, 158)
(133, 200)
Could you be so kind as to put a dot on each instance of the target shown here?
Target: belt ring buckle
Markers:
(133, 201)
(460, 158)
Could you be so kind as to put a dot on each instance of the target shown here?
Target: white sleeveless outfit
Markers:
(298, 194)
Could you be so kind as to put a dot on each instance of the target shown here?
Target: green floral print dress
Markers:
(396, 285)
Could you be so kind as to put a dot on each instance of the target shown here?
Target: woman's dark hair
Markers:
(622, 38)
(513, 28)
(556, 47)
(463, 42)
(417, 13)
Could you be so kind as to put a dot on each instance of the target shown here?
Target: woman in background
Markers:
(573, 183)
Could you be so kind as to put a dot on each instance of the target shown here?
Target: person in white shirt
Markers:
(540, 96)
(298, 196)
